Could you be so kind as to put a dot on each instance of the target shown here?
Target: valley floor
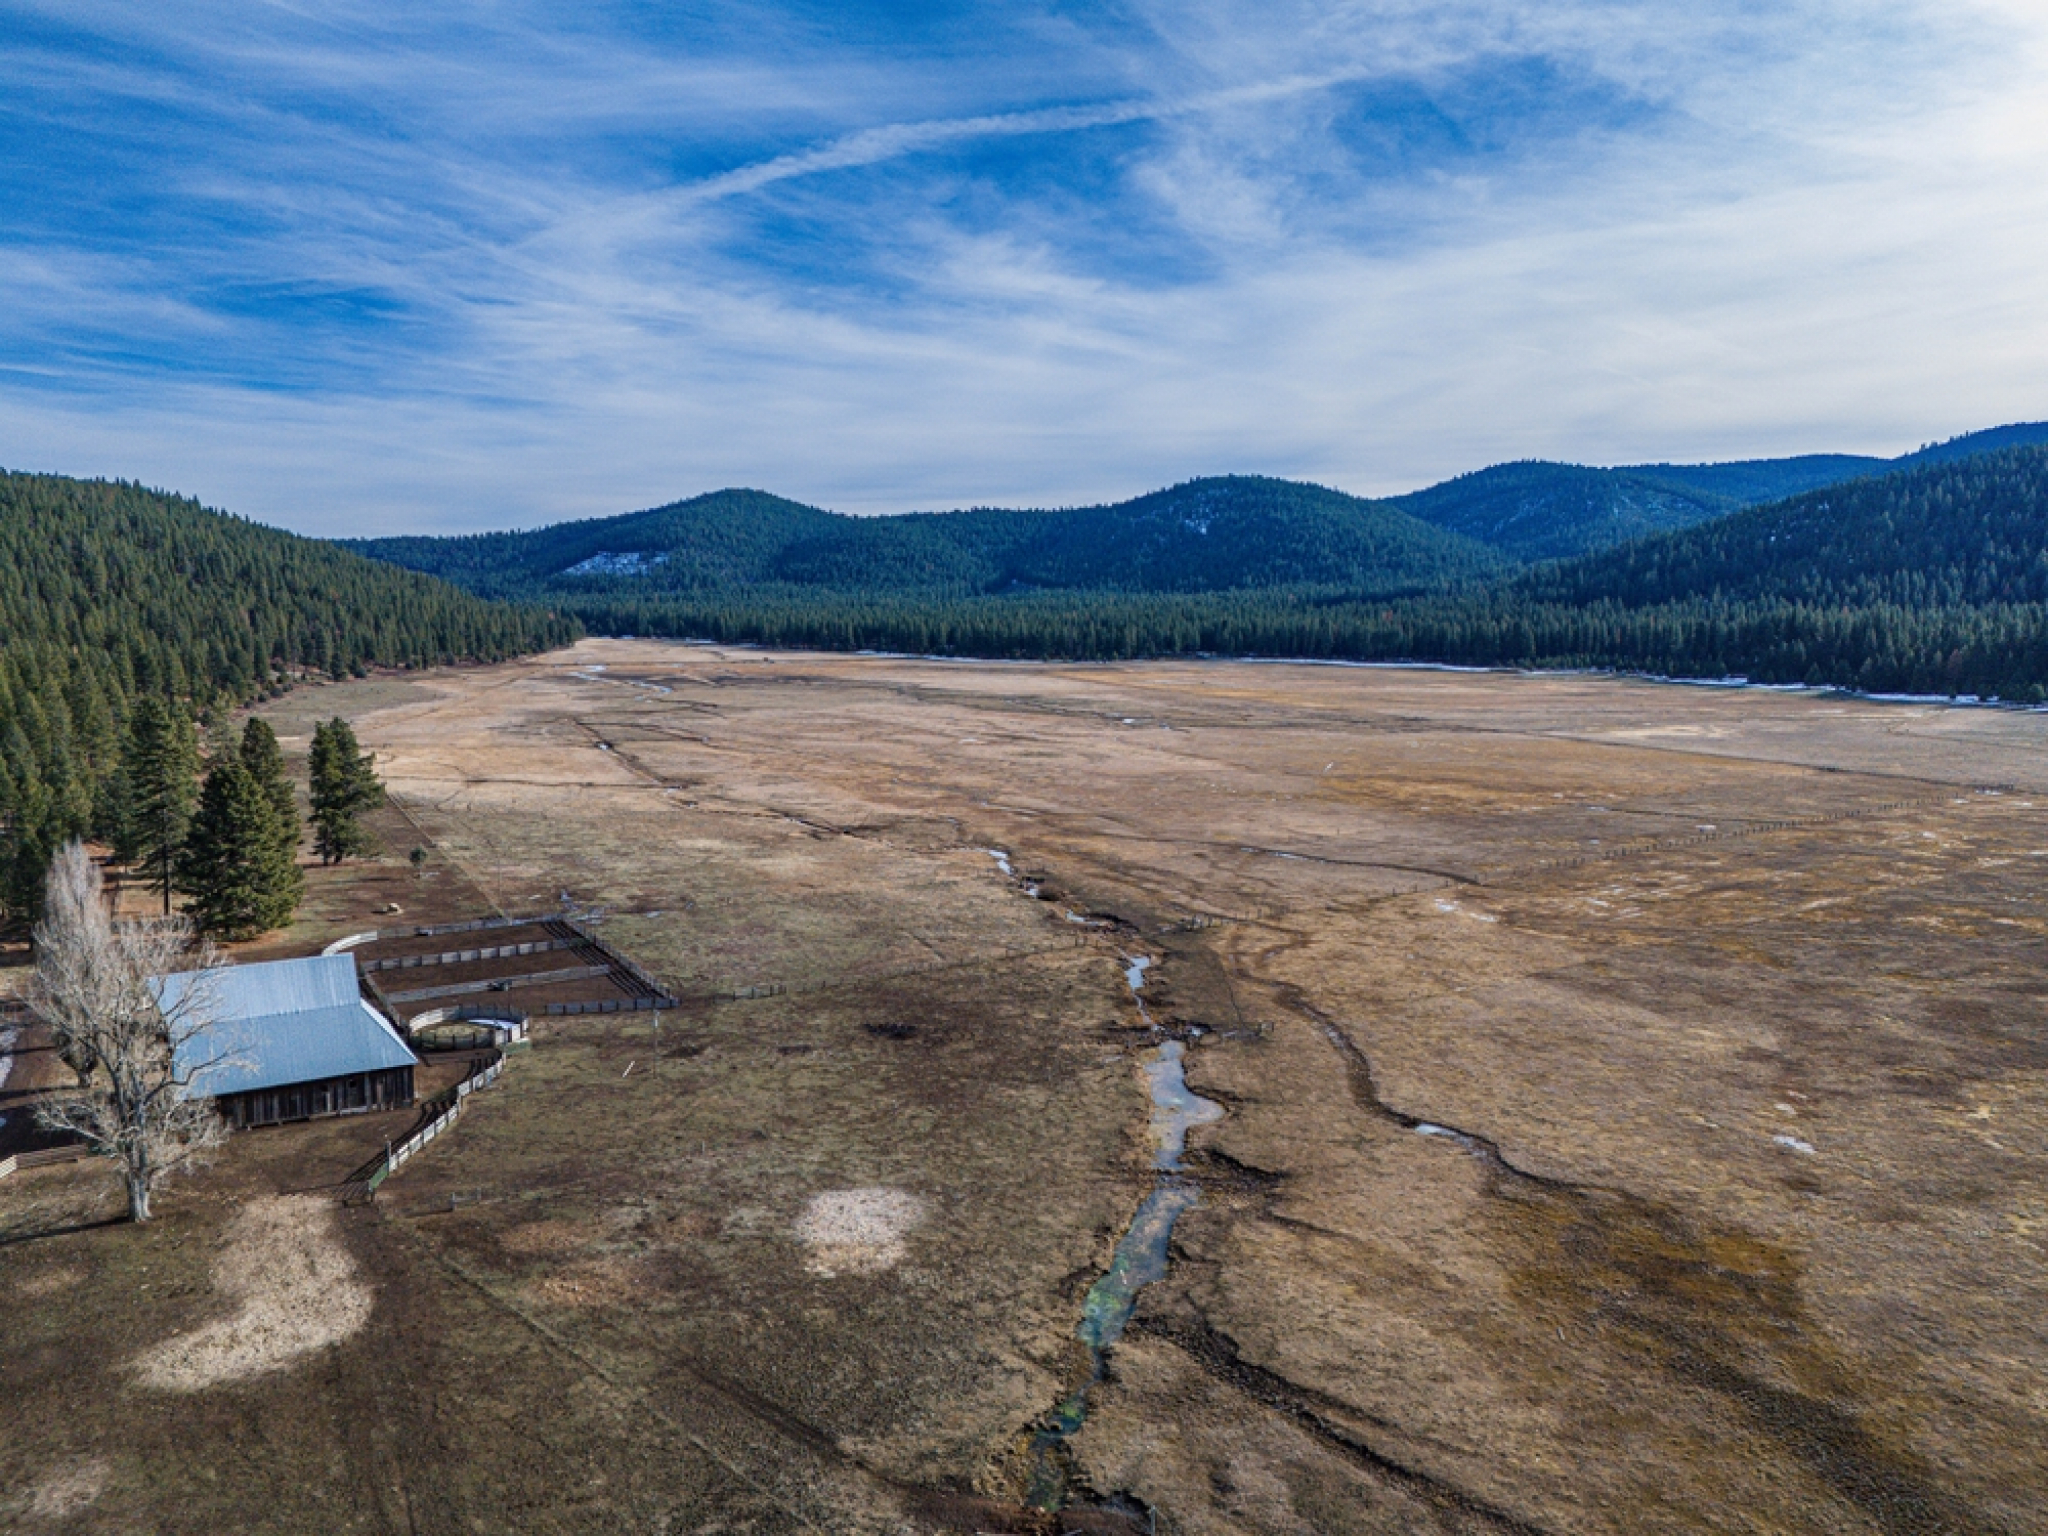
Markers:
(1635, 1119)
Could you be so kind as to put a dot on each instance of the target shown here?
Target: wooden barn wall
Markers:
(357, 1093)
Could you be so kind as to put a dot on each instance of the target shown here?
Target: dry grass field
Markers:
(1635, 1120)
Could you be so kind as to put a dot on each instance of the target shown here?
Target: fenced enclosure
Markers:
(547, 965)
(436, 1115)
(468, 1028)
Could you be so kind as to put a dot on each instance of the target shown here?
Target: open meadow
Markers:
(1621, 1108)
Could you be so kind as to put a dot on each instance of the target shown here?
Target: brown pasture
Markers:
(1635, 1120)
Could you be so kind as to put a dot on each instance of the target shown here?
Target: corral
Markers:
(539, 965)
(1633, 1119)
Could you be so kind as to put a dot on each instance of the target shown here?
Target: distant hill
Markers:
(108, 591)
(1537, 511)
(1207, 535)
(1212, 535)
(1534, 511)
(1924, 574)
(1947, 532)
(2023, 434)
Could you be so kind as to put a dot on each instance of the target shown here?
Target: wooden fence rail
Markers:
(610, 1005)
(501, 984)
(442, 1111)
(467, 956)
(47, 1155)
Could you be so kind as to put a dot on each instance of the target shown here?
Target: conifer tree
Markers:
(236, 869)
(24, 855)
(264, 759)
(343, 784)
(159, 771)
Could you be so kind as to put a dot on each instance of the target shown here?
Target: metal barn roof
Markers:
(279, 1022)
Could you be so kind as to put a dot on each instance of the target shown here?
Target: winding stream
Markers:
(1140, 1256)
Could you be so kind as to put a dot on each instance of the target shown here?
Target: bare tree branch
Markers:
(136, 1045)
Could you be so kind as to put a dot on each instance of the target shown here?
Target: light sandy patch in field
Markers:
(592, 1283)
(857, 1231)
(68, 1490)
(49, 1281)
(296, 1290)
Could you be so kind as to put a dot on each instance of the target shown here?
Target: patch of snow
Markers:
(604, 563)
(1002, 860)
(1803, 1148)
(1134, 973)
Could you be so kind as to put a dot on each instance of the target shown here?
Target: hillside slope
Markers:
(1210, 535)
(1948, 533)
(108, 591)
(1534, 511)
(1926, 580)
(1207, 535)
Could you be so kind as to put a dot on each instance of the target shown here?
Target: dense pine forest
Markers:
(111, 594)
(1227, 533)
(1927, 576)
(1224, 533)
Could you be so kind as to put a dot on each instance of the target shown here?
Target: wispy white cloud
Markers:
(362, 272)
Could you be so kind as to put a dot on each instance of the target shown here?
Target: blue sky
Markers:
(377, 268)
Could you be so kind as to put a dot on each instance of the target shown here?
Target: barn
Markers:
(287, 1040)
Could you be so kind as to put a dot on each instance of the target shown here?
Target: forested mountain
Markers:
(1931, 579)
(726, 540)
(109, 592)
(1215, 534)
(1540, 511)
(1747, 482)
(2021, 434)
(1953, 533)
(1206, 535)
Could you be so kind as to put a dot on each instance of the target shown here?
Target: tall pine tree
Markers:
(236, 868)
(159, 782)
(343, 784)
(264, 759)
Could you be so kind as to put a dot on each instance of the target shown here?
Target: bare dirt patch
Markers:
(548, 1236)
(857, 1231)
(607, 1281)
(68, 1490)
(295, 1290)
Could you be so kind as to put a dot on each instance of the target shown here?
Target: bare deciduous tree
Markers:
(135, 1053)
